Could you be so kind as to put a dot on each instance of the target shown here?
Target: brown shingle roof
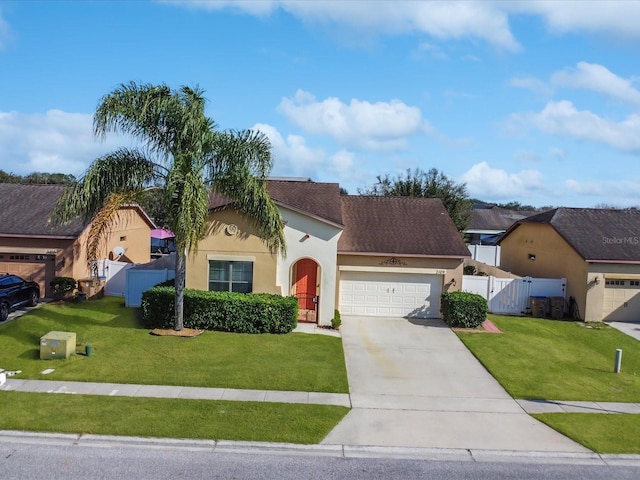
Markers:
(320, 200)
(596, 234)
(495, 218)
(25, 210)
(399, 226)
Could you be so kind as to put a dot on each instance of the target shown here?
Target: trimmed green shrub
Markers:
(469, 270)
(336, 321)
(224, 311)
(463, 309)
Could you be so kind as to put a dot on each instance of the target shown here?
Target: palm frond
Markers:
(122, 171)
(102, 222)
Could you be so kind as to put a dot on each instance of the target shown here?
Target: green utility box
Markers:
(57, 345)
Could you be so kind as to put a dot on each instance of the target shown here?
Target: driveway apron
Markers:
(413, 383)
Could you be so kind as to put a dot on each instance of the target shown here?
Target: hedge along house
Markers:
(362, 255)
(30, 246)
(596, 250)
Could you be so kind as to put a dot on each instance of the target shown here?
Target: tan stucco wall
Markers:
(450, 268)
(245, 243)
(129, 231)
(554, 259)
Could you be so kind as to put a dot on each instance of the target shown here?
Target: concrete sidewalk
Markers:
(169, 391)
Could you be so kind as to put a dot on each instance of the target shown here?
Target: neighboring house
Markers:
(487, 223)
(596, 250)
(362, 255)
(34, 249)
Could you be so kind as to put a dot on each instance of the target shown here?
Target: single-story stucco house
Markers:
(31, 247)
(362, 255)
(596, 250)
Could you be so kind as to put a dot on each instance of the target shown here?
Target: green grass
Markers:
(602, 433)
(155, 417)
(555, 360)
(124, 352)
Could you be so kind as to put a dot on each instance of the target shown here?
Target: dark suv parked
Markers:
(16, 292)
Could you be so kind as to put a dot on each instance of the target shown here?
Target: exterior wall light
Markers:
(532, 257)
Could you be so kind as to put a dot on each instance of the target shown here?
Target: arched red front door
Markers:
(305, 284)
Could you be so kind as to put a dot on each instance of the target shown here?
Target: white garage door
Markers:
(390, 294)
(621, 300)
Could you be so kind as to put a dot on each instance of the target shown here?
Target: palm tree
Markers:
(185, 156)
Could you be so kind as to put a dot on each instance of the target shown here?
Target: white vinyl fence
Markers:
(138, 281)
(489, 254)
(511, 295)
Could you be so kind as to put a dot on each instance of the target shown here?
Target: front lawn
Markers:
(124, 352)
(160, 417)
(558, 360)
(602, 433)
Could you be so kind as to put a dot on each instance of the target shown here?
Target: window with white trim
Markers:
(230, 276)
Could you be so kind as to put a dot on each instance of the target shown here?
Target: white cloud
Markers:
(615, 18)
(534, 84)
(294, 158)
(527, 156)
(622, 189)
(431, 50)
(252, 7)
(558, 153)
(381, 126)
(562, 118)
(487, 182)
(591, 76)
(4, 31)
(447, 20)
(55, 142)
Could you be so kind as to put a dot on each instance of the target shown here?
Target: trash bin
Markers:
(91, 287)
(539, 306)
(557, 308)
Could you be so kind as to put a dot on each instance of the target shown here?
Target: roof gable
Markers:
(399, 226)
(495, 218)
(316, 199)
(596, 234)
(25, 211)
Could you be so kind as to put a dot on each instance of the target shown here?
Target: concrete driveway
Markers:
(414, 384)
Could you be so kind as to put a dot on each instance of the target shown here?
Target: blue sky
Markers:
(533, 101)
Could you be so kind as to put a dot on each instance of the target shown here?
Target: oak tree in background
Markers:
(431, 184)
(185, 157)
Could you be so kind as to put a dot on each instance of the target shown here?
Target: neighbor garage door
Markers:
(621, 300)
(36, 268)
(390, 294)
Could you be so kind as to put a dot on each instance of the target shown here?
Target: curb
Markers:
(337, 451)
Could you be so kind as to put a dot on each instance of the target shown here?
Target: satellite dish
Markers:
(118, 250)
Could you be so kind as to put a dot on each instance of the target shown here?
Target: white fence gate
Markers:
(116, 278)
(511, 295)
(138, 281)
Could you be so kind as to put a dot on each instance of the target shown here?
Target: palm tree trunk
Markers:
(181, 262)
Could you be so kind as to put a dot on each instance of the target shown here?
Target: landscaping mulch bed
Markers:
(185, 332)
(486, 327)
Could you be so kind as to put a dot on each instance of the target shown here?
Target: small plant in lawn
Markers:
(336, 321)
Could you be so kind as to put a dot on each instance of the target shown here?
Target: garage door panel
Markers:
(397, 294)
(621, 303)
